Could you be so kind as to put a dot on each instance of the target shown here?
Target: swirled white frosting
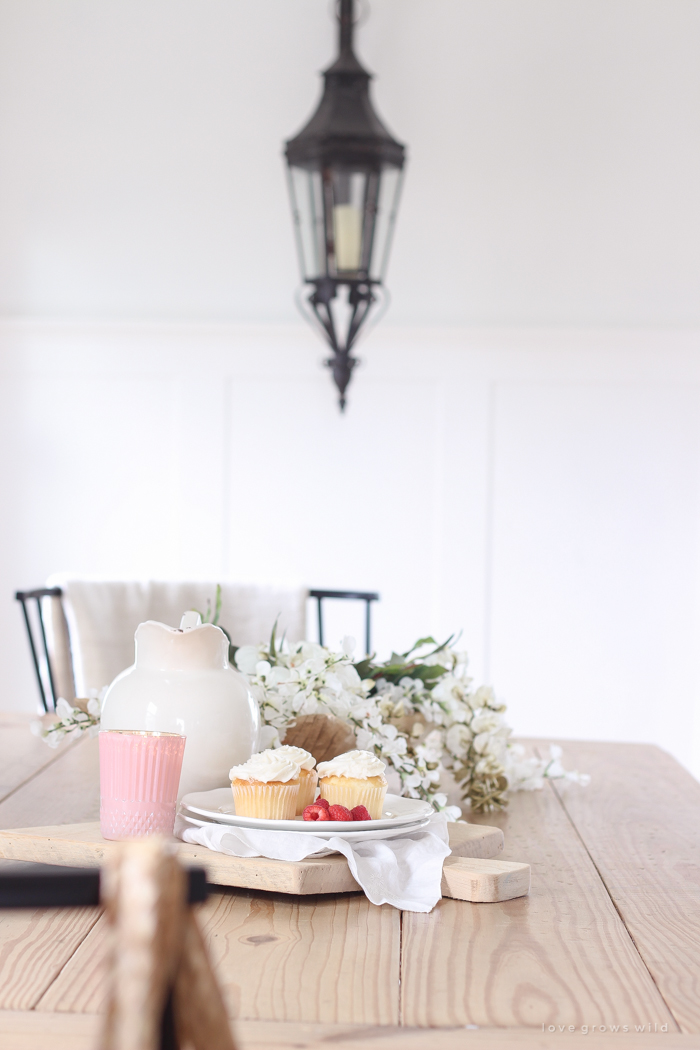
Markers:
(357, 764)
(304, 759)
(267, 766)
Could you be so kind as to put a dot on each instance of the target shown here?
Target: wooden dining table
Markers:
(605, 948)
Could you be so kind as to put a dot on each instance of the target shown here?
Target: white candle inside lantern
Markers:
(347, 231)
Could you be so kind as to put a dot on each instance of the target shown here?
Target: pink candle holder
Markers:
(139, 778)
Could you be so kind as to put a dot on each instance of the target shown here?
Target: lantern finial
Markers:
(347, 21)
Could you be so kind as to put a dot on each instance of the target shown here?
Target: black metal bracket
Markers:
(361, 299)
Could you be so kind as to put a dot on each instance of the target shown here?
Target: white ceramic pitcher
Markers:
(182, 682)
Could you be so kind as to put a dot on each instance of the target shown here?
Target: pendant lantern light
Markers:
(345, 173)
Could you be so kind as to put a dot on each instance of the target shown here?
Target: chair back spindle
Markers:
(37, 595)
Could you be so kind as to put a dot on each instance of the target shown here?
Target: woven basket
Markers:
(324, 736)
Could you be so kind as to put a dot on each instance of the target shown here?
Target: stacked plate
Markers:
(399, 817)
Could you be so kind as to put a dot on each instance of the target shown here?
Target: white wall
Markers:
(520, 454)
(554, 157)
(539, 491)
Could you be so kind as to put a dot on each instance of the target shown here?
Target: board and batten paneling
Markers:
(595, 555)
(536, 490)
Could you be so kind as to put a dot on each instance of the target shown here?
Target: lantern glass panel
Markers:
(344, 220)
(387, 206)
(306, 191)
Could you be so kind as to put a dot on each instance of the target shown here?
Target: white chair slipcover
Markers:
(96, 638)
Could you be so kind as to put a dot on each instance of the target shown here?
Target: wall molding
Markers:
(498, 354)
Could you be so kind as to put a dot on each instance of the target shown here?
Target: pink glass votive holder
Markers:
(139, 778)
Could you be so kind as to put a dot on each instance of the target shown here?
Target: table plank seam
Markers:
(57, 976)
(614, 903)
(70, 745)
(400, 988)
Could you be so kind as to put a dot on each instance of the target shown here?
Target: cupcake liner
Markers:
(273, 801)
(308, 781)
(351, 792)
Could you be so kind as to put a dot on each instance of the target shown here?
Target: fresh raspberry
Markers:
(340, 813)
(316, 812)
(322, 802)
(360, 813)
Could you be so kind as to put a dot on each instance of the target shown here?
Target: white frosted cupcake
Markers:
(266, 786)
(308, 777)
(354, 779)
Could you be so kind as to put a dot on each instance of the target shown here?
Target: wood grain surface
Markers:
(82, 845)
(324, 959)
(32, 1031)
(64, 791)
(81, 986)
(472, 879)
(328, 959)
(35, 945)
(22, 754)
(560, 956)
(288, 964)
(640, 821)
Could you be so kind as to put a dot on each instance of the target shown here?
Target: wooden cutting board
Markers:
(470, 873)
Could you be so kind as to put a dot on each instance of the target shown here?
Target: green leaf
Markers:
(388, 669)
(429, 640)
(428, 673)
(217, 608)
(365, 667)
(439, 648)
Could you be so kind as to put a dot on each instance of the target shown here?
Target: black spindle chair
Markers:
(40, 649)
(37, 596)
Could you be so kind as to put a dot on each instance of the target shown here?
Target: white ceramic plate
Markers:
(217, 806)
(326, 829)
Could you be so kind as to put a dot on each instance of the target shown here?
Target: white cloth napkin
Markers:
(405, 871)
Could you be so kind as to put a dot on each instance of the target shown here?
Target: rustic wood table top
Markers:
(609, 936)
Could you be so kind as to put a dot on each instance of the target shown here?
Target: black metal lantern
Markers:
(345, 173)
